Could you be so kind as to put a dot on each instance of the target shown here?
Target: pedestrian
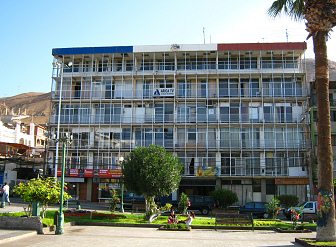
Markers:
(5, 195)
(190, 219)
(172, 219)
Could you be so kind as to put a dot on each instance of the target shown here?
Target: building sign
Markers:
(164, 92)
(59, 173)
(88, 173)
(73, 173)
(207, 171)
(116, 173)
(104, 173)
(109, 173)
(292, 181)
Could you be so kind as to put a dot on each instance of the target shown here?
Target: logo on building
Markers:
(164, 92)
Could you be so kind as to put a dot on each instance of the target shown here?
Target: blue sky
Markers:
(30, 29)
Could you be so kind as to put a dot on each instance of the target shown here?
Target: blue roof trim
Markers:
(92, 50)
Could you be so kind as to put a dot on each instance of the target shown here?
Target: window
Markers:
(254, 88)
(223, 88)
(254, 113)
(234, 112)
(256, 186)
(224, 114)
(191, 135)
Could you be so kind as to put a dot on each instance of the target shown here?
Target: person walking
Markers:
(5, 195)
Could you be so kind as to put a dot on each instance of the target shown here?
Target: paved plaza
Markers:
(100, 236)
(130, 236)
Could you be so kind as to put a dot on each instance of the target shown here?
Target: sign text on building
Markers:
(164, 92)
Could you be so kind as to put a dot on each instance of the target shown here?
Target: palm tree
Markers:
(320, 16)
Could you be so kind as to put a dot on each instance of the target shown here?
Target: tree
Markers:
(184, 203)
(320, 16)
(43, 190)
(288, 200)
(224, 197)
(151, 172)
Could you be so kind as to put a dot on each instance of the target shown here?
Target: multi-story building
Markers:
(232, 113)
(313, 125)
(22, 149)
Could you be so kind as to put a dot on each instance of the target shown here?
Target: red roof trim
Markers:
(262, 46)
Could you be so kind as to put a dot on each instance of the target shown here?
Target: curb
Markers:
(17, 235)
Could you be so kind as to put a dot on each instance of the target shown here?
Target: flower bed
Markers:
(174, 227)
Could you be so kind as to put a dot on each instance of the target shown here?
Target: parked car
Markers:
(257, 209)
(308, 210)
(131, 199)
(202, 204)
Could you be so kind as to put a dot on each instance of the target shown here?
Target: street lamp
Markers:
(121, 159)
(60, 219)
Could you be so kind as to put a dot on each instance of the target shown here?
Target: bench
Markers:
(234, 219)
(138, 206)
(72, 204)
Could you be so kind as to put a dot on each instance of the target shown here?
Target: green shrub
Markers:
(288, 200)
(273, 208)
(176, 226)
(224, 197)
(114, 200)
(183, 203)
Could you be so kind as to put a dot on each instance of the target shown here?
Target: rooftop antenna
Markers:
(204, 35)
(286, 35)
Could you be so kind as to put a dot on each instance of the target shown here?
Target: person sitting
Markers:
(190, 219)
(172, 219)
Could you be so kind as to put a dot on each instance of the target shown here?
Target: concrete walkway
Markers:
(130, 236)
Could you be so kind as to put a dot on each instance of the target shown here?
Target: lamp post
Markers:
(60, 218)
(121, 159)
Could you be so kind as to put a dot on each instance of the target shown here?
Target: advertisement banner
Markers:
(109, 173)
(88, 173)
(73, 173)
(104, 173)
(116, 173)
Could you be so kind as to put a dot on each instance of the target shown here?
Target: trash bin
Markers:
(36, 209)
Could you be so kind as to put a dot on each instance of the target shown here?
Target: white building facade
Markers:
(232, 113)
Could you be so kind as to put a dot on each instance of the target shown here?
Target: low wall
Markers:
(22, 223)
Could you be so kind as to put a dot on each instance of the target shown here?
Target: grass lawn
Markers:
(316, 243)
(138, 218)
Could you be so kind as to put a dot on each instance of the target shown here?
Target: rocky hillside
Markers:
(34, 105)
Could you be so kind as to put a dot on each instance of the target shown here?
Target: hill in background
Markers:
(310, 66)
(37, 105)
(34, 105)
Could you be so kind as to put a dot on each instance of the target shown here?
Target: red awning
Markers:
(15, 145)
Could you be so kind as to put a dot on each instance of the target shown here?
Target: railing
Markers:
(153, 66)
(191, 92)
(134, 118)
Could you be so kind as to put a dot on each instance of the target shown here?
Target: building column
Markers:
(263, 189)
(89, 189)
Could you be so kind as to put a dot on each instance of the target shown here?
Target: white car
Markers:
(309, 207)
